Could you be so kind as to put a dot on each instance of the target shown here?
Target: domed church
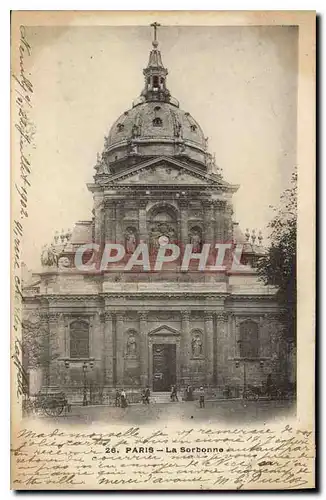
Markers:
(155, 182)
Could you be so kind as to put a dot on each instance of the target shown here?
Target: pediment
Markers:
(160, 171)
(162, 174)
(165, 330)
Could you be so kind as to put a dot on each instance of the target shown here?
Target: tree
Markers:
(278, 266)
(36, 347)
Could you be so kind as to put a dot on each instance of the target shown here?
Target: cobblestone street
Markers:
(231, 411)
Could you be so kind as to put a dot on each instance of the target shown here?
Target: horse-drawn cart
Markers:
(50, 401)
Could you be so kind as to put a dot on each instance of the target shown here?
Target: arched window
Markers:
(79, 339)
(157, 122)
(155, 82)
(249, 342)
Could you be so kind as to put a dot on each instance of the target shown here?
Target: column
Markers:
(44, 319)
(185, 345)
(119, 348)
(61, 336)
(209, 222)
(222, 349)
(219, 221)
(209, 343)
(109, 222)
(228, 228)
(99, 219)
(144, 375)
(184, 222)
(108, 348)
(53, 349)
(119, 213)
(142, 221)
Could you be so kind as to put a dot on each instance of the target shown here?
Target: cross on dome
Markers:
(155, 73)
(155, 26)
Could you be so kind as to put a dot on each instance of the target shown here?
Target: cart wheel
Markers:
(53, 410)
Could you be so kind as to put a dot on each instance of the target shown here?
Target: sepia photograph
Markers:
(155, 220)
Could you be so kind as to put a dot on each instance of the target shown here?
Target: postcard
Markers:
(163, 246)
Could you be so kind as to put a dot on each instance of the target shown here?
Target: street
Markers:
(235, 411)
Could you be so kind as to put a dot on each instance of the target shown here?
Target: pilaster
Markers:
(209, 343)
(185, 346)
(209, 221)
(143, 236)
(119, 348)
(143, 333)
(108, 348)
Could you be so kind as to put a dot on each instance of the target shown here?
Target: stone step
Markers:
(161, 397)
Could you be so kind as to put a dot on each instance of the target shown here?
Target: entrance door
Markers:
(164, 367)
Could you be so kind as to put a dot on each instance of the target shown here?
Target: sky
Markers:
(239, 83)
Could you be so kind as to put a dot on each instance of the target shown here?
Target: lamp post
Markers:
(237, 364)
(84, 368)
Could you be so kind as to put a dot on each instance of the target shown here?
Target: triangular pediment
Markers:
(163, 170)
(164, 330)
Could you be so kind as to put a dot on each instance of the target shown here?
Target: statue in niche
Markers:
(197, 346)
(131, 241)
(195, 240)
(131, 345)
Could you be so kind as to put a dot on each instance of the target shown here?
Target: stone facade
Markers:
(155, 179)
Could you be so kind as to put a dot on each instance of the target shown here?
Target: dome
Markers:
(155, 125)
(153, 120)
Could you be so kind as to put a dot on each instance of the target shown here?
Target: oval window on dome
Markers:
(120, 127)
(157, 122)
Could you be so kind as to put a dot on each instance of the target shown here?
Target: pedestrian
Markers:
(123, 398)
(117, 398)
(147, 395)
(189, 393)
(174, 394)
(201, 397)
(269, 386)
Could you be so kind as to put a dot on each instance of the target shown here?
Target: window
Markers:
(157, 108)
(155, 82)
(193, 128)
(248, 339)
(157, 122)
(79, 339)
(120, 127)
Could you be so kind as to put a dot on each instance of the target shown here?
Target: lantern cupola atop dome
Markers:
(155, 74)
